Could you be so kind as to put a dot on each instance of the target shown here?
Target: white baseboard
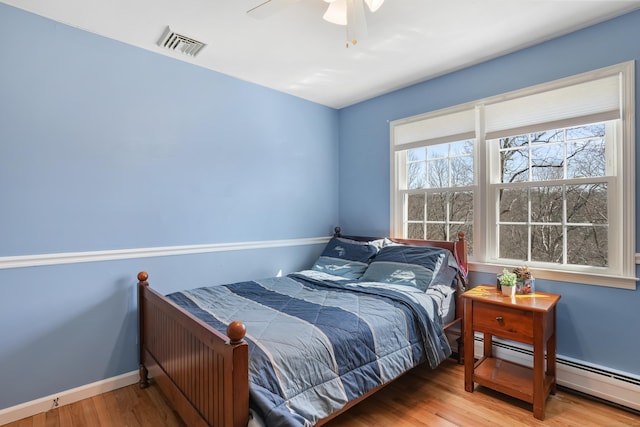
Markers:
(44, 404)
(611, 386)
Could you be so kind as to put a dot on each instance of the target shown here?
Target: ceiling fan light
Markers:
(336, 12)
(373, 4)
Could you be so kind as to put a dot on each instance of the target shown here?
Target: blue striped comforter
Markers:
(317, 341)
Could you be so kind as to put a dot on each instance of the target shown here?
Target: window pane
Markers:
(415, 231)
(436, 207)
(546, 204)
(515, 165)
(436, 231)
(514, 141)
(555, 135)
(587, 131)
(416, 175)
(547, 162)
(461, 171)
(514, 205)
(462, 207)
(586, 158)
(587, 246)
(438, 173)
(415, 207)
(546, 243)
(439, 151)
(587, 204)
(417, 154)
(513, 242)
(461, 148)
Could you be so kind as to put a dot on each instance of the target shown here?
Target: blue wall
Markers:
(105, 146)
(596, 325)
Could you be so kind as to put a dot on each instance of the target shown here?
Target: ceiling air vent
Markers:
(179, 43)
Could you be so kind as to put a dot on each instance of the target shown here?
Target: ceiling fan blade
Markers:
(336, 12)
(269, 7)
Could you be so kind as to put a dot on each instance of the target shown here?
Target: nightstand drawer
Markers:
(505, 322)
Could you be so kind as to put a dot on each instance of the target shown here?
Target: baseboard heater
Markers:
(611, 386)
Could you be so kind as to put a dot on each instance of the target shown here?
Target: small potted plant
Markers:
(525, 283)
(508, 283)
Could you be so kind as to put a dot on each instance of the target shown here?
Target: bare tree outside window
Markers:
(439, 201)
(553, 202)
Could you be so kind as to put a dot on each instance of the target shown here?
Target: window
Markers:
(543, 176)
(439, 193)
(552, 196)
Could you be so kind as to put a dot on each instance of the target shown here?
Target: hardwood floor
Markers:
(128, 406)
(426, 397)
(421, 398)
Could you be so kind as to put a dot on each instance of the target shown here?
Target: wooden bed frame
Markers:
(205, 374)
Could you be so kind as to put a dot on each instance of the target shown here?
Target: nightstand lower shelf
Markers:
(508, 378)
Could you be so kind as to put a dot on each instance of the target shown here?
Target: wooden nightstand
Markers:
(530, 319)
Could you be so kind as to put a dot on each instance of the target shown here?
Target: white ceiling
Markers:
(297, 52)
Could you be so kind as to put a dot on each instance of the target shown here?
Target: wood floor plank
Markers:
(423, 397)
(126, 403)
(27, 422)
(52, 418)
(64, 415)
(102, 409)
(112, 403)
(89, 412)
(39, 420)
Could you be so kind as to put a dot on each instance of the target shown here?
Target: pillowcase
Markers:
(416, 266)
(345, 257)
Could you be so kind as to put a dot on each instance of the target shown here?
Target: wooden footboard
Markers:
(201, 371)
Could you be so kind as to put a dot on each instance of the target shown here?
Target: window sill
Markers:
(621, 282)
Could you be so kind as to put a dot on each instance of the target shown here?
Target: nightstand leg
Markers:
(469, 360)
(551, 362)
(488, 345)
(538, 367)
(551, 355)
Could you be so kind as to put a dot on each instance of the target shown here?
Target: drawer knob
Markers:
(499, 318)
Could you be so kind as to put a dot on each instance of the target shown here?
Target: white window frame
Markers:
(405, 133)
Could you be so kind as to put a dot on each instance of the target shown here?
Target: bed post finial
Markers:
(336, 232)
(461, 235)
(236, 331)
(142, 278)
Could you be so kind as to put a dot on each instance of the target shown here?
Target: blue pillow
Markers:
(416, 266)
(345, 257)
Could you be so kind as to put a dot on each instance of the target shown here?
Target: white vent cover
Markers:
(179, 43)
